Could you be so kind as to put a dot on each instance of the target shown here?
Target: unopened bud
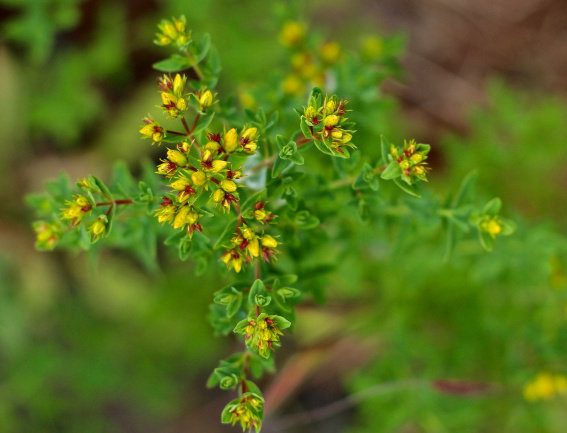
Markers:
(269, 242)
(205, 100)
(218, 196)
(199, 178)
(228, 185)
(177, 157)
(331, 120)
(230, 140)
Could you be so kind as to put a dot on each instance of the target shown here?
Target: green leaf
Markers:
(410, 189)
(280, 165)
(234, 305)
(304, 220)
(316, 97)
(393, 170)
(173, 64)
(281, 322)
(492, 208)
(257, 289)
(297, 158)
(305, 128)
(204, 123)
(226, 234)
(485, 240)
(100, 184)
(322, 147)
(202, 48)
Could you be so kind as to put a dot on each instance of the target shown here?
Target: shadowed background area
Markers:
(107, 345)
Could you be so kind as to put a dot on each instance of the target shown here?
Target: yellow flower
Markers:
(545, 386)
(292, 34)
(330, 52)
(47, 235)
(97, 228)
(292, 85)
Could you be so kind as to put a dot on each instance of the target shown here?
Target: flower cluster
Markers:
(152, 130)
(411, 160)
(172, 95)
(327, 122)
(173, 32)
(47, 235)
(76, 209)
(247, 246)
(306, 67)
(545, 386)
(262, 333)
(248, 410)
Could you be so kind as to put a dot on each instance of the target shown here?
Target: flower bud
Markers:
(416, 158)
(331, 120)
(253, 247)
(247, 233)
(184, 147)
(207, 156)
(268, 241)
(199, 178)
(218, 165)
(181, 104)
(346, 138)
(292, 34)
(168, 99)
(330, 107)
(205, 100)
(180, 184)
(218, 196)
(178, 85)
(228, 185)
(181, 217)
(250, 134)
(260, 214)
(230, 142)
(310, 112)
(330, 52)
(177, 157)
(213, 146)
(192, 217)
(97, 228)
(337, 134)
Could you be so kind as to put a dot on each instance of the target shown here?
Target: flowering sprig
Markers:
(207, 196)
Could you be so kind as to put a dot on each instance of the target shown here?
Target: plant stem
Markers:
(176, 133)
(116, 202)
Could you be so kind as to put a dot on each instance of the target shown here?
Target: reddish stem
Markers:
(116, 202)
(176, 133)
(186, 126)
(194, 123)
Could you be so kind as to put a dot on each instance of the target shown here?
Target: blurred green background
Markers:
(112, 348)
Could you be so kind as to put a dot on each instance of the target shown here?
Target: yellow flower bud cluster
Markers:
(246, 410)
(411, 159)
(261, 334)
(545, 386)
(173, 98)
(76, 209)
(328, 122)
(306, 67)
(176, 160)
(173, 32)
(152, 130)
(247, 246)
(180, 215)
(47, 235)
